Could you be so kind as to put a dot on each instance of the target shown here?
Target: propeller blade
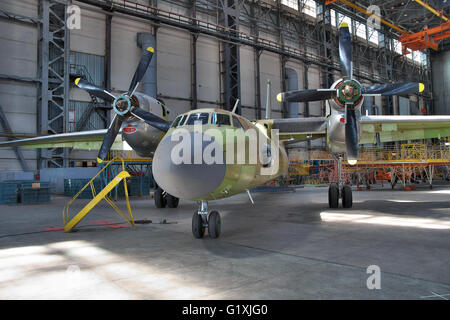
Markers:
(388, 89)
(140, 70)
(151, 119)
(351, 136)
(110, 136)
(306, 95)
(94, 90)
(345, 50)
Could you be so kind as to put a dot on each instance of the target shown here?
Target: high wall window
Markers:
(397, 46)
(333, 17)
(310, 8)
(360, 29)
(290, 3)
(373, 35)
(342, 18)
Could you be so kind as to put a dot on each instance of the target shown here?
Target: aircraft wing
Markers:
(297, 129)
(84, 140)
(398, 128)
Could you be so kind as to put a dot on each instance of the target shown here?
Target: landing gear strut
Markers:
(201, 221)
(162, 199)
(338, 190)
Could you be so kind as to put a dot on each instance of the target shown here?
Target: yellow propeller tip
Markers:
(344, 25)
(280, 97)
(151, 49)
(99, 160)
(421, 87)
(77, 80)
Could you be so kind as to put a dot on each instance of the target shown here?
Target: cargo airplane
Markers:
(141, 121)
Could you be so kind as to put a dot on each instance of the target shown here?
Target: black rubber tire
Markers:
(160, 201)
(198, 230)
(333, 195)
(172, 202)
(347, 198)
(214, 224)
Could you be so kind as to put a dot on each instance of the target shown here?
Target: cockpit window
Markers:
(195, 117)
(179, 121)
(236, 122)
(220, 119)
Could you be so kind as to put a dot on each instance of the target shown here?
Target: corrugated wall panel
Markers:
(94, 64)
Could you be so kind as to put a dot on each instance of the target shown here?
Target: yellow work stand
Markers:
(69, 225)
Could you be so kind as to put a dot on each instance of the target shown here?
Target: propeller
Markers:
(94, 90)
(349, 92)
(151, 119)
(110, 137)
(306, 95)
(351, 135)
(345, 50)
(389, 89)
(140, 70)
(122, 105)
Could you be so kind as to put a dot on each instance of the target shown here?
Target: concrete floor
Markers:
(286, 246)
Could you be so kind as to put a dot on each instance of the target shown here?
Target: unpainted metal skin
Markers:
(215, 181)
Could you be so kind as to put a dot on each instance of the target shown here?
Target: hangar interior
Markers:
(219, 54)
(195, 66)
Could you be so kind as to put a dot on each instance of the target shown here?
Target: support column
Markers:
(258, 83)
(108, 61)
(229, 11)
(194, 86)
(53, 66)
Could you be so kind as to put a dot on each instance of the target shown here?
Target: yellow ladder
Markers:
(69, 225)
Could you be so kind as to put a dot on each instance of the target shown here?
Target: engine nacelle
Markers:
(336, 119)
(142, 137)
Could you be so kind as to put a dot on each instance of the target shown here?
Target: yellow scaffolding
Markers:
(96, 198)
(407, 153)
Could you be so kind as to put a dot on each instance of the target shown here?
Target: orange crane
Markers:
(427, 38)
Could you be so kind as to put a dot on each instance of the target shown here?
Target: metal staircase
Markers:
(80, 71)
(70, 223)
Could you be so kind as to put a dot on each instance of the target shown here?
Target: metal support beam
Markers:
(258, 113)
(53, 66)
(108, 67)
(5, 124)
(194, 92)
(229, 13)
(18, 17)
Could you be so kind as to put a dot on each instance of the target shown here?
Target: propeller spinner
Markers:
(348, 93)
(123, 105)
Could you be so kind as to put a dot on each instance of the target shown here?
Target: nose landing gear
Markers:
(163, 199)
(201, 221)
(338, 190)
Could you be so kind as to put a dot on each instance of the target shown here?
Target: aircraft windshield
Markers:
(179, 121)
(220, 119)
(195, 117)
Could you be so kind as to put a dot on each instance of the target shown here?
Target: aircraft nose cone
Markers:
(189, 179)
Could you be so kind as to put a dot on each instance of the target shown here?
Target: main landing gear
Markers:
(163, 199)
(338, 190)
(201, 220)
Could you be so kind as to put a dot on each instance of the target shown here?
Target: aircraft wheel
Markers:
(214, 224)
(333, 195)
(160, 201)
(172, 202)
(347, 199)
(198, 230)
